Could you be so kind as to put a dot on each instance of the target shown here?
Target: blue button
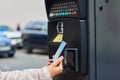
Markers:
(58, 14)
(63, 13)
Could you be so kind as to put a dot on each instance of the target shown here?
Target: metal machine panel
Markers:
(107, 39)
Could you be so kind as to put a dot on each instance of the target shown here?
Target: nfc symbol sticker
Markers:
(58, 38)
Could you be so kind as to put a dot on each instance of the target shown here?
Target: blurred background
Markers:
(23, 34)
(13, 12)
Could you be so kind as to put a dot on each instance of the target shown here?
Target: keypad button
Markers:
(75, 12)
(63, 9)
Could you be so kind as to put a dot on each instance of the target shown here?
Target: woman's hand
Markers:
(50, 61)
(56, 67)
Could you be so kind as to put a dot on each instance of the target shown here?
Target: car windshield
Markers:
(5, 28)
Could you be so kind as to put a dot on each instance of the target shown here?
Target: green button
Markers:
(66, 13)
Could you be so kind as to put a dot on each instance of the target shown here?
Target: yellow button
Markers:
(56, 14)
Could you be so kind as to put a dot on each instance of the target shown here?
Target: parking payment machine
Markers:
(91, 31)
(68, 22)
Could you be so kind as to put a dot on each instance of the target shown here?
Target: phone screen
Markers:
(59, 50)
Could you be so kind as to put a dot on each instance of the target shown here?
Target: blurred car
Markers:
(7, 48)
(14, 35)
(35, 36)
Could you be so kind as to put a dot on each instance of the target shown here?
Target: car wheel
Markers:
(29, 50)
(11, 55)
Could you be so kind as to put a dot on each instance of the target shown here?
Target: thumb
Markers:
(58, 61)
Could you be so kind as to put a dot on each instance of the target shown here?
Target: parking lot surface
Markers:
(22, 60)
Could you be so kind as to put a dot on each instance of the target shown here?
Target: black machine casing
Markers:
(74, 33)
(73, 38)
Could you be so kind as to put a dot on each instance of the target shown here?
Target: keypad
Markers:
(63, 9)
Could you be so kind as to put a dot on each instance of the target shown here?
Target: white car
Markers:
(16, 36)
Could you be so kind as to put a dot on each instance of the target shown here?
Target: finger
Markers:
(52, 56)
(58, 61)
(50, 61)
(60, 67)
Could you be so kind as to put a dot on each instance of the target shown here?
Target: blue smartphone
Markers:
(59, 50)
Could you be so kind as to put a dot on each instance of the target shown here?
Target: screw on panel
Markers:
(107, 1)
(101, 8)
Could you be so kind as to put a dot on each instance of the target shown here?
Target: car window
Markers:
(37, 26)
(5, 28)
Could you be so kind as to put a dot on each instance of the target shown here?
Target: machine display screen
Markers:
(64, 8)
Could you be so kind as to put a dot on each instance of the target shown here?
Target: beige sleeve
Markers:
(28, 74)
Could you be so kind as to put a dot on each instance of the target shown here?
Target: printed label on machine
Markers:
(58, 38)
